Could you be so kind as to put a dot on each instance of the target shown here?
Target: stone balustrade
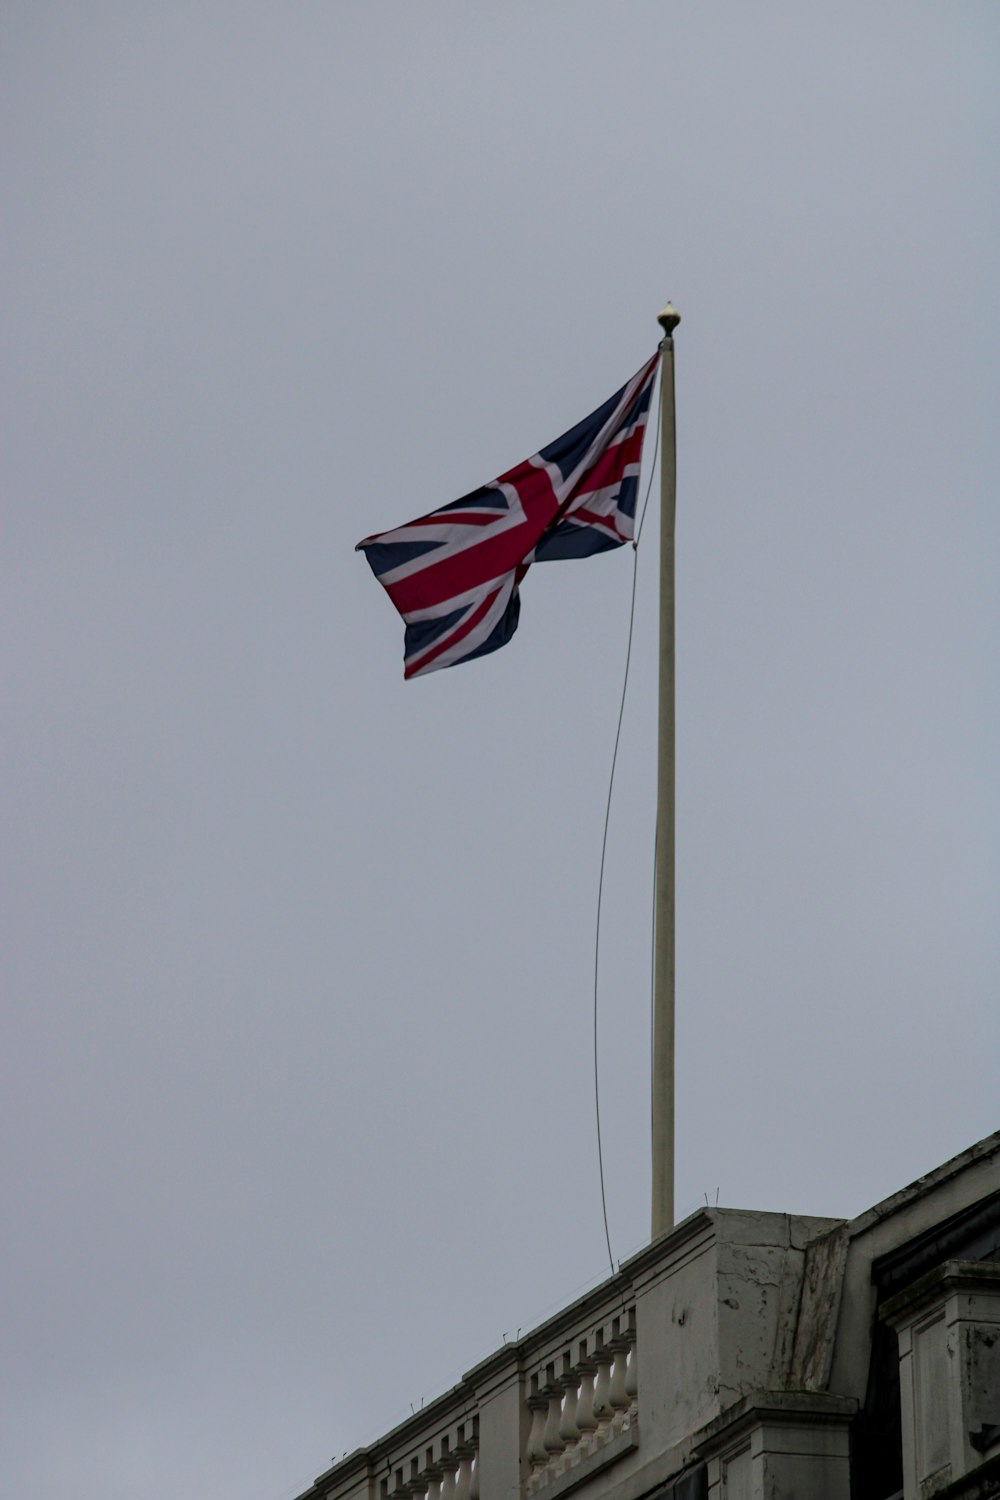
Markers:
(444, 1468)
(433, 1455)
(581, 1398)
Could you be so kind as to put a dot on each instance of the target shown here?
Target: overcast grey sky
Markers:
(297, 1101)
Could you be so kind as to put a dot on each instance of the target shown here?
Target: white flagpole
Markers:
(663, 956)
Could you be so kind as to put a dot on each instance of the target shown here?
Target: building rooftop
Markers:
(742, 1355)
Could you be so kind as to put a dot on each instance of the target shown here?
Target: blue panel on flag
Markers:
(502, 631)
(570, 540)
(574, 446)
(423, 633)
(628, 494)
(384, 556)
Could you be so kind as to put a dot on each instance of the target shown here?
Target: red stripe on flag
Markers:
(611, 465)
(418, 663)
(458, 517)
(483, 561)
(591, 518)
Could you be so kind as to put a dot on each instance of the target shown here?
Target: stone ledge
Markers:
(982, 1483)
(805, 1408)
(975, 1276)
(594, 1463)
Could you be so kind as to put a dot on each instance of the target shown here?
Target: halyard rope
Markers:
(607, 819)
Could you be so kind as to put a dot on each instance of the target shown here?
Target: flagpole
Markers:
(663, 954)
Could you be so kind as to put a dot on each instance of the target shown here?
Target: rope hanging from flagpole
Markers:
(607, 820)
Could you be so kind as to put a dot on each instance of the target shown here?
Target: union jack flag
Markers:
(454, 574)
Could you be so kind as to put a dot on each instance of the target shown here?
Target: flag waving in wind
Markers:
(454, 574)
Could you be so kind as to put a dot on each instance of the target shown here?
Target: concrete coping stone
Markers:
(984, 1150)
(950, 1276)
(805, 1407)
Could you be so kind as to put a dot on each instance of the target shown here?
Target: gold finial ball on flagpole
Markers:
(668, 319)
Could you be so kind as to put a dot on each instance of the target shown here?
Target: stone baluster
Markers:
(463, 1485)
(416, 1485)
(632, 1374)
(474, 1486)
(432, 1475)
(617, 1394)
(448, 1465)
(553, 1443)
(569, 1431)
(466, 1451)
(585, 1419)
(603, 1410)
(538, 1405)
